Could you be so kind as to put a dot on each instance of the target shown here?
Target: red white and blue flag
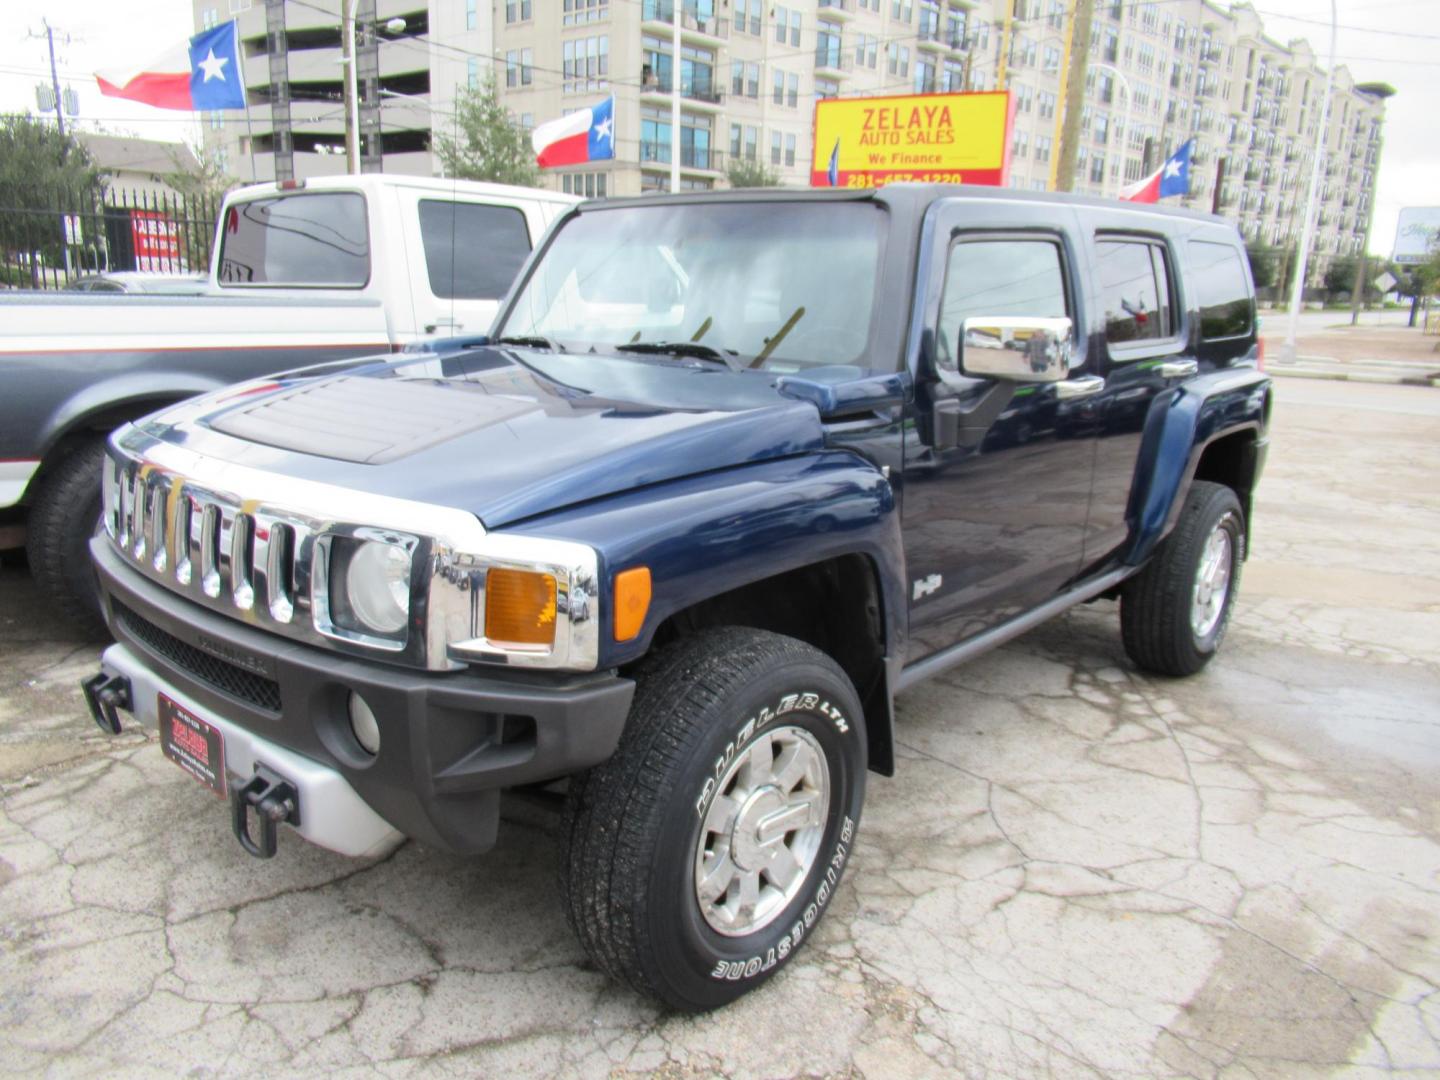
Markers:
(200, 75)
(583, 135)
(1172, 178)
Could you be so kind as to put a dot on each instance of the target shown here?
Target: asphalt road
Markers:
(1078, 871)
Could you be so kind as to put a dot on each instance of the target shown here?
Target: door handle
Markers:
(1179, 369)
(451, 324)
(1068, 389)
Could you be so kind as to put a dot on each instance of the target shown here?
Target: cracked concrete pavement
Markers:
(1078, 870)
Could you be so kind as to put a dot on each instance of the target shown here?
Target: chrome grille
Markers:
(200, 542)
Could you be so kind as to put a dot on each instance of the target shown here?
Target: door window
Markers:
(472, 251)
(998, 277)
(1222, 290)
(1135, 291)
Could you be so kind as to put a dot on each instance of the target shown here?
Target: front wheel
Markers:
(700, 856)
(1173, 614)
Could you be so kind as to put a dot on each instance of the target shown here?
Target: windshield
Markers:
(782, 285)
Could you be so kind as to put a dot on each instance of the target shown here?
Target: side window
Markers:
(1221, 290)
(472, 252)
(1134, 280)
(998, 277)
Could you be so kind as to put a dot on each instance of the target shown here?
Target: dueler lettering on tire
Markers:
(701, 856)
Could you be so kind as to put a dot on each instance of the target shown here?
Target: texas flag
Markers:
(1172, 178)
(201, 75)
(584, 135)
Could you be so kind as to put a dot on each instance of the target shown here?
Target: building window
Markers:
(752, 142)
(585, 11)
(790, 150)
(899, 60)
(747, 17)
(826, 88)
(1042, 147)
(775, 157)
(792, 91)
(472, 72)
(737, 133)
(827, 49)
(1021, 145)
(472, 14)
(517, 11)
(778, 95)
(586, 64)
(782, 23)
(590, 185)
(902, 10)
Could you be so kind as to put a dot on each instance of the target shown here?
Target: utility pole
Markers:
(352, 88)
(1059, 142)
(1074, 94)
(1219, 181)
(54, 78)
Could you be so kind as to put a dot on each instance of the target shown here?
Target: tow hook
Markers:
(274, 799)
(105, 694)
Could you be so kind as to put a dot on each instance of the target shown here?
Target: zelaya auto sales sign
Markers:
(928, 138)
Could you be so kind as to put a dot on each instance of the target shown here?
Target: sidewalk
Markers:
(1374, 354)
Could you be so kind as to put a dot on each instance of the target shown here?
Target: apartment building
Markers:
(750, 71)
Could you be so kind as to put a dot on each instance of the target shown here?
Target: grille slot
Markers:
(215, 673)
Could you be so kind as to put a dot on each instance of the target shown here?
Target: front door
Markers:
(997, 487)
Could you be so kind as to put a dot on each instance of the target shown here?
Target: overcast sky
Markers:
(1395, 41)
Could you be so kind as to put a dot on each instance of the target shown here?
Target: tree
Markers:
(43, 177)
(745, 173)
(201, 179)
(488, 144)
(1264, 264)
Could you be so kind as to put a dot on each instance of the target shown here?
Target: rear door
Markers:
(1147, 352)
(467, 252)
(994, 516)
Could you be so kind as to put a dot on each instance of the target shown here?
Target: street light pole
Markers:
(676, 7)
(352, 88)
(1297, 287)
(1129, 101)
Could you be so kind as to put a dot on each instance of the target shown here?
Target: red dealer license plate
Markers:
(194, 745)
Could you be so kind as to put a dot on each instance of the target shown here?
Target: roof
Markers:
(374, 182)
(114, 153)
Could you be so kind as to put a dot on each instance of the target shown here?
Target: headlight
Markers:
(377, 584)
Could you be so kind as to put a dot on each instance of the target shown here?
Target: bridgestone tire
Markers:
(632, 824)
(62, 519)
(1156, 604)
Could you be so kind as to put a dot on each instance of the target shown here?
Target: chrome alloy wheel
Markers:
(761, 833)
(1212, 581)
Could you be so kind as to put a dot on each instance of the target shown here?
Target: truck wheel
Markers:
(1173, 614)
(62, 519)
(697, 859)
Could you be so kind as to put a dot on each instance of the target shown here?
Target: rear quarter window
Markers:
(318, 240)
(1221, 289)
(472, 251)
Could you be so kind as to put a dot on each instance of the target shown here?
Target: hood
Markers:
(481, 431)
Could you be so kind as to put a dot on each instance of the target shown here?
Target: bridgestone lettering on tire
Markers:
(741, 745)
(62, 519)
(1174, 613)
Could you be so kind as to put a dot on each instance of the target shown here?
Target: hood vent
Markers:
(368, 421)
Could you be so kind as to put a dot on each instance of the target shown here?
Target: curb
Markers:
(1287, 372)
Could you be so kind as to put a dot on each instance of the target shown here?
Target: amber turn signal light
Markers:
(632, 601)
(519, 607)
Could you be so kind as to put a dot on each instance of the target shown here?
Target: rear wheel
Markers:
(63, 517)
(705, 850)
(1174, 613)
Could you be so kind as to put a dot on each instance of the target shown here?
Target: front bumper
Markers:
(449, 742)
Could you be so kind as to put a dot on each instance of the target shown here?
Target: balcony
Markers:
(704, 159)
(710, 29)
(833, 62)
(840, 10)
(702, 92)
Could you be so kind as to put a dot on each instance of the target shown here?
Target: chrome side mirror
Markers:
(1016, 347)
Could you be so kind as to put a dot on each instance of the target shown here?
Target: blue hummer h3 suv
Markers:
(730, 472)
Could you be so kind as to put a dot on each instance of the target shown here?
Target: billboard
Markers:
(1416, 234)
(929, 138)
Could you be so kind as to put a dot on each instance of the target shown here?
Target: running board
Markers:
(998, 635)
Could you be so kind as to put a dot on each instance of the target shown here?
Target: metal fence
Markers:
(53, 238)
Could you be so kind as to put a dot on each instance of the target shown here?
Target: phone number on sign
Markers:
(865, 180)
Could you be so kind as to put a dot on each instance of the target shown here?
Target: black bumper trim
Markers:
(449, 741)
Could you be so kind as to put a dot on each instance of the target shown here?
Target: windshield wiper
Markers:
(532, 341)
(685, 348)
